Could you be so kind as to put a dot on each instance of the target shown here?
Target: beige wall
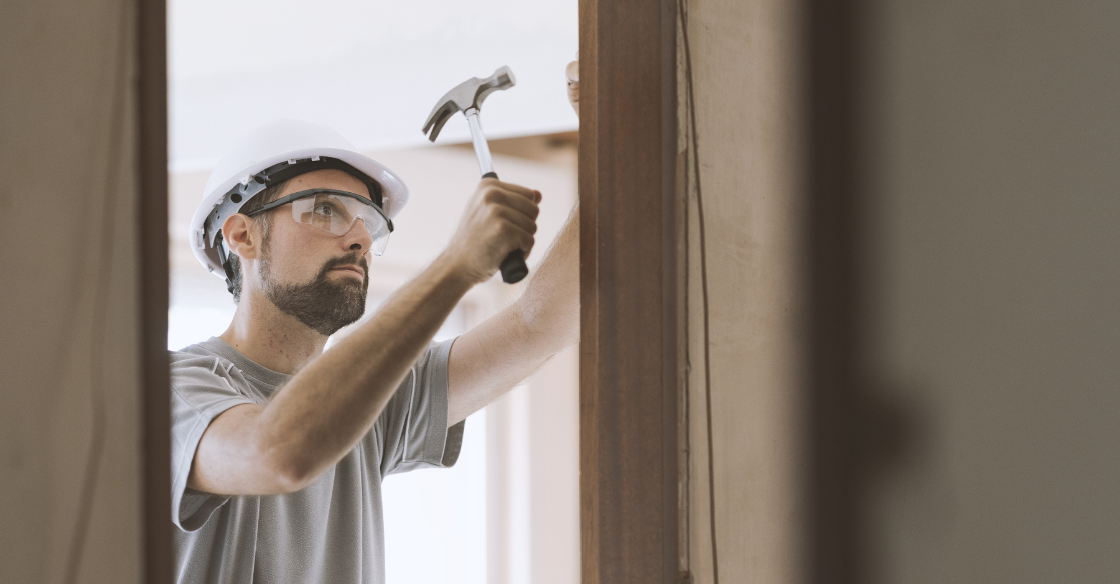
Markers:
(69, 369)
(988, 321)
(992, 299)
(745, 65)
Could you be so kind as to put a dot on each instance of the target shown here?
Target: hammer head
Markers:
(466, 95)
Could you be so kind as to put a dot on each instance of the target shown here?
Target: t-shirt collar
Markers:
(246, 365)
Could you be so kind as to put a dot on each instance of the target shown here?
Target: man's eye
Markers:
(324, 209)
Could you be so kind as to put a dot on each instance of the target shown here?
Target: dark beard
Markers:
(322, 305)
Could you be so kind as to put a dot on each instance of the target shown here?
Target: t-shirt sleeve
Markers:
(199, 392)
(414, 424)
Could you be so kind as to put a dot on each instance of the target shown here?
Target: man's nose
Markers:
(358, 238)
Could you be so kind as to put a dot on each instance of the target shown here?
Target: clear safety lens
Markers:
(337, 215)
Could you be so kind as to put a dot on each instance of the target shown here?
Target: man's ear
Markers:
(241, 236)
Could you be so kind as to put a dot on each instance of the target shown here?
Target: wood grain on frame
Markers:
(629, 280)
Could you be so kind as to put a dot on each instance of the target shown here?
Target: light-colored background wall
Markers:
(992, 217)
(745, 66)
(375, 68)
(70, 450)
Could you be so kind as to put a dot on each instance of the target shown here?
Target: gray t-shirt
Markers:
(331, 531)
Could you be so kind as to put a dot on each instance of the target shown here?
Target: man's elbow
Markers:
(289, 479)
(545, 331)
(287, 473)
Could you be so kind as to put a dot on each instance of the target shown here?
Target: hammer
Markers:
(467, 97)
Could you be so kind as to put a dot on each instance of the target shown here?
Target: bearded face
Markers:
(323, 304)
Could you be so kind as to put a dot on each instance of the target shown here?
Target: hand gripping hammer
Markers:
(467, 97)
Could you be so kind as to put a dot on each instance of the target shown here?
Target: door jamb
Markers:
(629, 290)
(155, 375)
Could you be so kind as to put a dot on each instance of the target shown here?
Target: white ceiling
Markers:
(372, 70)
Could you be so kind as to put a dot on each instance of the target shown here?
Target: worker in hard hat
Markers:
(279, 448)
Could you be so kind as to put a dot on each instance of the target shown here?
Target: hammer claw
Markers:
(468, 94)
(438, 118)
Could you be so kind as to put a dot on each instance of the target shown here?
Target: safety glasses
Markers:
(335, 212)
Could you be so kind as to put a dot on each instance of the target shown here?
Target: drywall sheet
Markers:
(70, 496)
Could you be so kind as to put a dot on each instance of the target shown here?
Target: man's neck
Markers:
(271, 338)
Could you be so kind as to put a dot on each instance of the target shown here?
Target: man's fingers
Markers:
(572, 72)
(524, 239)
(523, 191)
(524, 206)
(512, 211)
(517, 218)
(515, 200)
(531, 194)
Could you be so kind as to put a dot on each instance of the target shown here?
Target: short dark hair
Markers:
(261, 199)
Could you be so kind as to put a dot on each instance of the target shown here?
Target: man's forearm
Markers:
(550, 305)
(332, 402)
(314, 420)
(501, 352)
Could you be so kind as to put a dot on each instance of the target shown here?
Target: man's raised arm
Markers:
(491, 358)
(328, 405)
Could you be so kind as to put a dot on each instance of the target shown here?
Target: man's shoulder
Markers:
(197, 356)
(204, 380)
(215, 363)
(196, 363)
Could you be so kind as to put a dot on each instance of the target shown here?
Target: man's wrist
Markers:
(450, 273)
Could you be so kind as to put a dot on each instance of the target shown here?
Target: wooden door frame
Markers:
(628, 365)
(155, 269)
(630, 277)
(837, 547)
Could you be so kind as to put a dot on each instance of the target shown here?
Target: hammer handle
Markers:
(513, 267)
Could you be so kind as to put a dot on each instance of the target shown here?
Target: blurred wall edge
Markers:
(71, 448)
(912, 226)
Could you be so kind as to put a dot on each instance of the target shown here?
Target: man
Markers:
(279, 448)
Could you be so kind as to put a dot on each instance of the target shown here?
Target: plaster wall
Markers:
(70, 482)
(745, 57)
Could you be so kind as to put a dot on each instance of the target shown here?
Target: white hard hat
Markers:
(277, 149)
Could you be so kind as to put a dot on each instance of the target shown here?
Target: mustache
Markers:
(351, 259)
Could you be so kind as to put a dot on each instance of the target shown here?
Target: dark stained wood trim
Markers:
(629, 352)
(837, 548)
(589, 499)
(151, 47)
